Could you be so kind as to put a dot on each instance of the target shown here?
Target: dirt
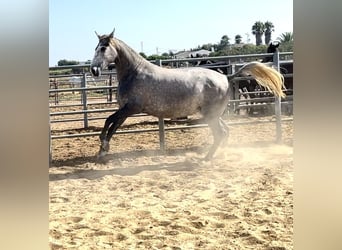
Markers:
(142, 198)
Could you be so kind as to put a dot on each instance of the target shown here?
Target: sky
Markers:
(152, 26)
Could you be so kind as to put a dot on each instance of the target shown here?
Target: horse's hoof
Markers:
(100, 158)
(104, 146)
(208, 158)
(101, 154)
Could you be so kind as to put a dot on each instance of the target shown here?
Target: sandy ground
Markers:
(141, 198)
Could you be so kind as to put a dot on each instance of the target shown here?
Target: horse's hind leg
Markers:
(225, 131)
(220, 132)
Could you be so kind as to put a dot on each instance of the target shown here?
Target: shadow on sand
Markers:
(74, 162)
(92, 174)
(78, 170)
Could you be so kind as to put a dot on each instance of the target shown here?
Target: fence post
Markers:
(84, 99)
(56, 96)
(50, 150)
(277, 103)
(161, 133)
(161, 123)
(233, 93)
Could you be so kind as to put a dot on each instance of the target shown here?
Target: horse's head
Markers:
(105, 53)
(273, 46)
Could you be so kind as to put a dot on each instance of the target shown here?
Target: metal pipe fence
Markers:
(106, 92)
(157, 129)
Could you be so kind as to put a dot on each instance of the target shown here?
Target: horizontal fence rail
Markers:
(81, 89)
(157, 129)
(64, 93)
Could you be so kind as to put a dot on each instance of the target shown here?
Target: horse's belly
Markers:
(172, 109)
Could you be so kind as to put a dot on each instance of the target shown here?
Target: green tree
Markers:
(286, 37)
(286, 42)
(165, 55)
(224, 43)
(238, 39)
(143, 55)
(269, 28)
(158, 57)
(208, 46)
(258, 30)
(64, 62)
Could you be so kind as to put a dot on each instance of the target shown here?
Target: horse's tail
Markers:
(265, 76)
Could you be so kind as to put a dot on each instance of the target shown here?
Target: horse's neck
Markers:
(127, 61)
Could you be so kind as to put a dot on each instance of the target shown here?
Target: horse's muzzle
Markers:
(96, 71)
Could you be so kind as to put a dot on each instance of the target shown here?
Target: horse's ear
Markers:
(275, 43)
(111, 35)
(97, 34)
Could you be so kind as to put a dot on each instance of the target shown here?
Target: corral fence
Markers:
(90, 98)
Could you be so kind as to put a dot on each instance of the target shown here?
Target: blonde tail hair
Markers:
(265, 76)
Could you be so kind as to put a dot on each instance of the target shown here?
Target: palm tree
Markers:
(258, 30)
(286, 41)
(286, 37)
(238, 39)
(269, 28)
(224, 42)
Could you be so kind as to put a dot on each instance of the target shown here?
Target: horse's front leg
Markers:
(116, 120)
(113, 122)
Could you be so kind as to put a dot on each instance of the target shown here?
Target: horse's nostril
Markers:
(95, 71)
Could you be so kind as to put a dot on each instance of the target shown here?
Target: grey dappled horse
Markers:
(170, 93)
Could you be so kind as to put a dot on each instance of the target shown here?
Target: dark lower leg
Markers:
(105, 137)
(112, 129)
(108, 121)
(112, 123)
(104, 148)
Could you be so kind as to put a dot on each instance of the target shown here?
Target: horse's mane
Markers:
(120, 44)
